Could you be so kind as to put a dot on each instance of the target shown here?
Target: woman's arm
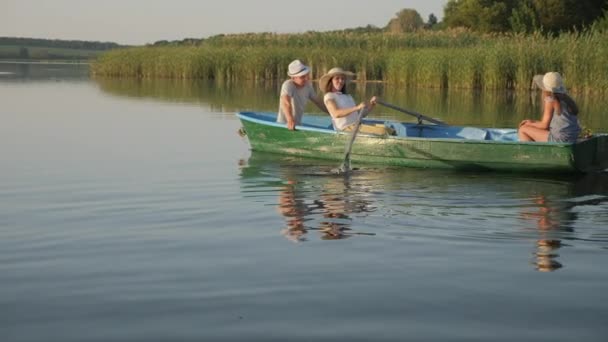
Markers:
(548, 109)
(336, 112)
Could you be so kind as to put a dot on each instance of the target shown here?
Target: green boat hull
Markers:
(442, 153)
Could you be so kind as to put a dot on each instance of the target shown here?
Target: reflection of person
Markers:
(548, 220)
(545, 257)
(294, 210)
(559, 122)
(335, 222)
(338, 202)
(295, 93)
(341, 106)
(331, 208)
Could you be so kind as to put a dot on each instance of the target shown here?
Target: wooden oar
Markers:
(345, 167)
(418, 116)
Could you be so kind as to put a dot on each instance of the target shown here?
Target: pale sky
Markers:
(146, 21)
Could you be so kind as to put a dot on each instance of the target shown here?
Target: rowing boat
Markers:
(426, 146)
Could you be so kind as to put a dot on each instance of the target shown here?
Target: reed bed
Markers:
(451, 59)
(349, 40)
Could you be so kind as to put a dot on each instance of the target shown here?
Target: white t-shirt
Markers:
(342, 101)
(299, 98)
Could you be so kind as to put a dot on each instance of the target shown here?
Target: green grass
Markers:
(445, 59)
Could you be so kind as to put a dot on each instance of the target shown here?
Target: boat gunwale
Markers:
(243, 116)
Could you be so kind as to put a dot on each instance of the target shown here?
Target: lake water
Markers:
(132, 211)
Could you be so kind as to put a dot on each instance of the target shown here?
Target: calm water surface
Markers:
(132, 211)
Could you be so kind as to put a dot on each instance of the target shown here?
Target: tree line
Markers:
(481, 16)
(58, 43)
(551, 16)
(515, 16)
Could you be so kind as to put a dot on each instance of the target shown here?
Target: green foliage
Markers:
(601, 24)
(555, 15)
(522, 15)
(407, 20)
(431, 22)
(560, 15)
(346, 40)
(524, 18)
(444, 59)
(479, 15)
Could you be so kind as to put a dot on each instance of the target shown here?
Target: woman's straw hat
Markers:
(551, 81)
(325, 79)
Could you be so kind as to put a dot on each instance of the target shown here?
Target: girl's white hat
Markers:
(551, 81)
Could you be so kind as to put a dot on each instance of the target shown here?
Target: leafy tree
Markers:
(431, 22)
(524, 18)
(601, 24)
(479, 15)
(554, 15)
(559, 15)
(523, 15)
(407, 20)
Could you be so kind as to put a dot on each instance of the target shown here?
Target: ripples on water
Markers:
(129, 219)
(434, 205)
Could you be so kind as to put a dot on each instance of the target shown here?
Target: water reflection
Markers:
(555, 218)
(222, 97)
(454, 106)
(545, 214)
(334, 204)
(551, 220)
(310, 197)
(51, 71)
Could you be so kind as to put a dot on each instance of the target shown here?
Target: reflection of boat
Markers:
(548, 213)
(428, 146)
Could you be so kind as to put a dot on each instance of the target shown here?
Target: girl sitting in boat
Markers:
(341, 106)
(559, 122)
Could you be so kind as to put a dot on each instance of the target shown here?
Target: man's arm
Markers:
(288, 111)
(319, 104)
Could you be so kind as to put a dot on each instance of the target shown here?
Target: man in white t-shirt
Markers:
(295, 94)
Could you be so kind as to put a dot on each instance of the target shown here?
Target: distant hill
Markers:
(16, 48)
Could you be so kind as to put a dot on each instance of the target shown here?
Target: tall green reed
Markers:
(448, 59)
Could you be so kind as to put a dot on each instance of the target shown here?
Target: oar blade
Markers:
(345, 168)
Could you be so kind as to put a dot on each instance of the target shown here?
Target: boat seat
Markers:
(502, 134)
(472, 133)
(317, 122)
(431, 131)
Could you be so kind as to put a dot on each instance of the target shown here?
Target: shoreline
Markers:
(12, 61)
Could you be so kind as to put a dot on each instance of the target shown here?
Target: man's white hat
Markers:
(297, 68)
